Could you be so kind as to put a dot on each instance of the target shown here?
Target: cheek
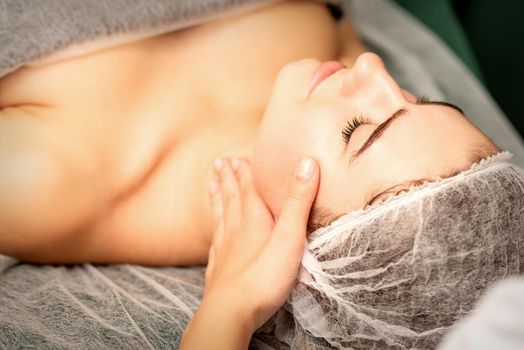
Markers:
(272, 164)
(278, 150)
(346, 187)
(341, 191)
(270, 176)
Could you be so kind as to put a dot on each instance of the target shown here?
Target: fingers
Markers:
(243, 173)
(210, 263)
(217, 212)
(230, 190)
(255, 211)
(245, 180)
(236, 178)
(209, 269)
(292, 222)
(225, 200)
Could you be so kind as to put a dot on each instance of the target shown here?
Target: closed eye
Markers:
(352, 125)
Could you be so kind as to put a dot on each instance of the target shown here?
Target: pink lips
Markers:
(323, 71)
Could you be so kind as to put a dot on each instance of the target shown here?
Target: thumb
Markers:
(292, 222)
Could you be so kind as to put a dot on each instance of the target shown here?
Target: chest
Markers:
(155, 112)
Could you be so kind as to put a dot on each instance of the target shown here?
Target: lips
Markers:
(323, 71)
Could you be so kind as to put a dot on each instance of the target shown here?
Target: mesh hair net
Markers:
(400, 273)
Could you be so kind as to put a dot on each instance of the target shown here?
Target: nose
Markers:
(369, 76)
(368, 63)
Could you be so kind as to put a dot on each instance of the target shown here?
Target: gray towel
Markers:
(32, 29)
(127, 307)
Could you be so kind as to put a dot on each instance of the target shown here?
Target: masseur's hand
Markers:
(253, 261)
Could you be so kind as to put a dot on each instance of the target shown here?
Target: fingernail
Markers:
(218, 164)
(213, 187)
(306, 169)
(235, 163)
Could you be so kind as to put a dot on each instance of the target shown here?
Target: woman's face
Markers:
(410, 141)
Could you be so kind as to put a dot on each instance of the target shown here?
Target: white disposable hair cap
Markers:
(398, 274)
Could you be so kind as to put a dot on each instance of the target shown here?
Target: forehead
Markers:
(427, 143)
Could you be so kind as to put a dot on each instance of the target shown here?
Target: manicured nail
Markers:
(306, 169)
(218, 164)
(213, 187)
(235, 163)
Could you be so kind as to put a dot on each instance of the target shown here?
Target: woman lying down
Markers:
(124, 163)
(425, 233)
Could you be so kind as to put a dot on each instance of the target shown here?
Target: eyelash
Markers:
(352, 125)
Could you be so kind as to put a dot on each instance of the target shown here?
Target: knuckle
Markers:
(245, 181)
(297, 192)
(227, 203)
(230, 199)
(242, 166)
(228, 183)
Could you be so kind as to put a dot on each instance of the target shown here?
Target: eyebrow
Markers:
(379, 131)
(441, 103)
(320, 216)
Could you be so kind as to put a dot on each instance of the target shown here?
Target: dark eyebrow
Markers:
(378, 132)
(423, 101)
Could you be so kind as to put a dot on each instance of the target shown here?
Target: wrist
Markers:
(220, 323)
(233, 307)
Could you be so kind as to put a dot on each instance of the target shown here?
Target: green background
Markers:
(487, 36)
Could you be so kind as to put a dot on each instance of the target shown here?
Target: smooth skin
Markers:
(254, 260)
(122, 153)
(104, 158)
(426, 141)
